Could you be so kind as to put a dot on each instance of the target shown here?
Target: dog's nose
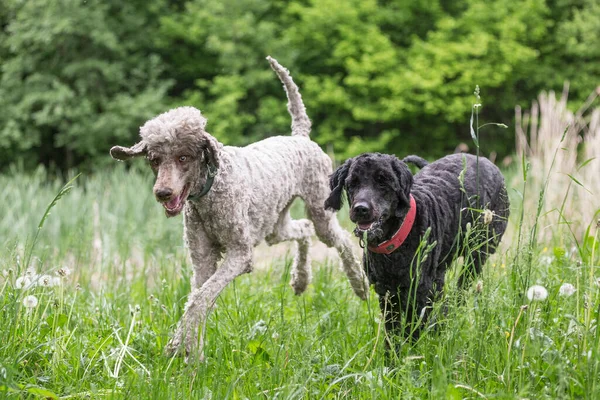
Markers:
(361, 210)
(163, 193)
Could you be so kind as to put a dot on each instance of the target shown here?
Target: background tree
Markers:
(376, 75)
(76, 77)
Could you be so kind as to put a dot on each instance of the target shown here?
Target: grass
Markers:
(124, 278)
(101, 333)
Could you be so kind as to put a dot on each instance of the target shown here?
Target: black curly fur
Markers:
(383, 183)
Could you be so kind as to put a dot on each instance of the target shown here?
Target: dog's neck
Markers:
(400, 226)
(392, 224)
(390, 227)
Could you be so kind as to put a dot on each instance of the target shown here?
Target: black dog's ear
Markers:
(405, 179)
(336, 184)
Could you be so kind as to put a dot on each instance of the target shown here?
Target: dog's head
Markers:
(179, 152)
(378, 188)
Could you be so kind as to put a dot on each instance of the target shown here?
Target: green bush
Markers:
(387, 75)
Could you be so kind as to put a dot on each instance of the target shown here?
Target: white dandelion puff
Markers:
(566, 289)
(488, 217)
(546, 260)
(23, 282)
(537, 293)
(46, 281)
(479, 286)
(30, 301)
(64, 271)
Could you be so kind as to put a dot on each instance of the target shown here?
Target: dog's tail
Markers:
(416, 160)
(300, 122)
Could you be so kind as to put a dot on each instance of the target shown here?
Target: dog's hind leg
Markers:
(331, 233)
(301, 231)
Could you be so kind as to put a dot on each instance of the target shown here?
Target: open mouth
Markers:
(175, 205)
(373, 227)
(368, 226)
(365, 226)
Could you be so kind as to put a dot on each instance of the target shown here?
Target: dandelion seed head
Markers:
(537, 293)
(479, 286)
(488, 216)
(566, 289)
(64, 271)
(30, 301)
(23, 282)
(546, 260)
(46, 281)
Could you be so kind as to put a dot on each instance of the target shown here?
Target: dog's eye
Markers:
(381, 179)
(182, 158)
(154, 162)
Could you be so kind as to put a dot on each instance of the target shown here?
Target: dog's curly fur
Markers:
(248, 202)
(460, 198)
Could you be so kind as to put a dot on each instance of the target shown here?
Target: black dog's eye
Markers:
(154, 162)
(381, 179)
(182, 158)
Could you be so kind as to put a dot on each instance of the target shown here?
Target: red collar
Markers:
(401, 234)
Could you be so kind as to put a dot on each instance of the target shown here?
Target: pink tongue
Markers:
(173, 203)
(365, 226)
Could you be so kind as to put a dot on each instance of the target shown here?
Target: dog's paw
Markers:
(299, 286)
(175, 347)
(184, 346)
(362, 289)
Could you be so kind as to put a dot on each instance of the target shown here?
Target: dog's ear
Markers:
(405, 179)
(125, 153)
(336, 184)
(211, 148)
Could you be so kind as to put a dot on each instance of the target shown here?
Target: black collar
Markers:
(210, 178)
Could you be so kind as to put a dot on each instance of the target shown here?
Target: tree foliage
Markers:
(388, 75)
(76, 76)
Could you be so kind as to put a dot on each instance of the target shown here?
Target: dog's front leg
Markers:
(238, 261)
(203, 252)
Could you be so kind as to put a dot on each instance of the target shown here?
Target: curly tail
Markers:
(300, 122)
(416, 160)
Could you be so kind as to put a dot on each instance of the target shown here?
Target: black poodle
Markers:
(414, 227)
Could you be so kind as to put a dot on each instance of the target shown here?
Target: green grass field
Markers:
(100, 333)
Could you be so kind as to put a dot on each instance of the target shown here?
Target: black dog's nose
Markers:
(361, 210)
(163, 194)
